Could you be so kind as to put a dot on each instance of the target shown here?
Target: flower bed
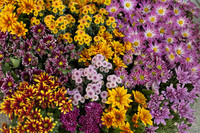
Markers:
(99, 66)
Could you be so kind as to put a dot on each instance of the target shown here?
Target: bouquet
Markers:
(128, 66)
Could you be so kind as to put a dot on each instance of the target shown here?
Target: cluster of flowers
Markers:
(33, 105)
(115, 65)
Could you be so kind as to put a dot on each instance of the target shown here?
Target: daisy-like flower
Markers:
(119, 97)
(35, 114)
(119, 116)
(27, 6)
(180, 50)
(181, 21)
(152, 17)
(128, 5)
(146, 6)
(6, 107)
(33, 126)
(186, 33)
(8, 21)
(47, 125)
(126, 128)
(108, 119)
(142, 76)
(150, 33)
(19, 29)
(65, 106)
(145, 116)
(113, 8)
(139, 97)
(155, 48)
(161, 9)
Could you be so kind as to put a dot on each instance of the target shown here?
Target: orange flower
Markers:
(8, 21)
(19, 29)
(65, 106)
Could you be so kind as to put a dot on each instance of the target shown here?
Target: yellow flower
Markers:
(84, 56)
(117, 33)
(120, 116)
(145, 116)
(125, 128)
(19, 29)
(106, 51)
(118, 47)
(118, 62)
(107, 119)
(139, 97)
(8, 21)
(107, 2)
(27, 6)
(135, 118)
(119, 97)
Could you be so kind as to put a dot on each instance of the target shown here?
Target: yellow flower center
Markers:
(162, 30)
(155, 49)
(46, 125)
(39, 30)
(149, 34)
(185, 34)
(159, 67)
(118, 99)
(153, 73)
(176, 11)
(141, 21)
(120, 26)
(136, 43)
(38, 49)
(60, 98)
(169, 39)
(22, 128)
(152, 19)
(167, 49)
(134, 78)
(122, 77)
(1, 55)
(45, 98)
(21, 104)
(128, 5)
(34, 125)
(9, 84)
(113, 10)
(60, 63)
(146, 9)
(35, 116)
(9, 22)
(187, 59)
(160, 11)
(178, 51)
(142, 77)
(29, 59)
(189, 46)
(14, 37)
(65, 106)
(180, 22)
(171, 56)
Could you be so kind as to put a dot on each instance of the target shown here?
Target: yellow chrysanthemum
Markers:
(145, 116)
(27, 6)
(139, 97)
(119, 97)
(118, 62)
(119, 116)
(107, 119)
(19, 29)
(8, 21)
(125, 128)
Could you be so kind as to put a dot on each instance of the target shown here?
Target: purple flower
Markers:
(69, 120)
(182, 128)
(38, 30)
(170, 93)
(151, 129)
(8, 85)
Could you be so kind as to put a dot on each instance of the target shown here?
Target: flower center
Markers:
(159, 67)
(162, 30)
(21, 104)
(185, 34)
(39, 30)
(45, 98)
(60, 98)
(149, 34)
(172, 56)
(176, 11)
(34, 125)
(160, 11)
(118, 99)
(167, 49)
(14, 37)
(142, 77)
(35, 116)
(180, 22)
(60, 63)
(146, 9)
(136, 43)
(29, 59)
(178, 51)
(128, 5)
(65, 106)
(46, 125)
(155, 49)
(9, 22)
(152, 19)
(113, 10)
(187, 59)
(9, 84)
(169, 39)
(38, 49)
(1, 55)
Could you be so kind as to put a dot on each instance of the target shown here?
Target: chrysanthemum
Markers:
(119, 116)
(161, 10)
(27, 6)
(6, 107)
(149, 32)
(47, 125)
(8, 21)
(181, 21)
(146, 6)
(126, 128)
(128, 5)
(107, 119)
(65, 106)
(139, 97)
(19, 29)
(113, 8)
(145, 116)
(119, 97)
(33, 126)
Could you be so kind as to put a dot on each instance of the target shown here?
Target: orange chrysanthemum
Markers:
(8, 21)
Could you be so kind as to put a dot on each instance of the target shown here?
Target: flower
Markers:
(27, 6)
(139, 97)
(119, 97)
(65, 106)
(119, 116)
(126, 128)
(47, 125)
(19, 29)
(108, 119)
(8, 21)
(145, 116)
(128, 5)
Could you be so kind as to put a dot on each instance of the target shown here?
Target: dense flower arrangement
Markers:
(98, 65)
